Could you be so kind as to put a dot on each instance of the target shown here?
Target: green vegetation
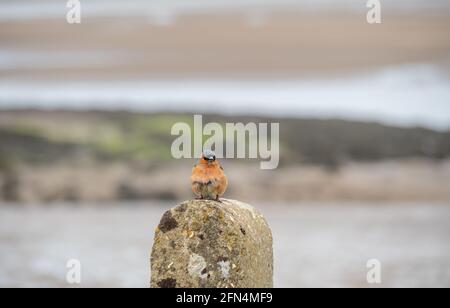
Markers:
(136, 137)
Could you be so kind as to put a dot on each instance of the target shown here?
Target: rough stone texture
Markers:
(212, 244)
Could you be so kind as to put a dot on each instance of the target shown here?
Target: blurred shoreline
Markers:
(56, 156)
(321, 64)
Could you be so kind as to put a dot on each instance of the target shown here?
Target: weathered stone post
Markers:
(212, 244)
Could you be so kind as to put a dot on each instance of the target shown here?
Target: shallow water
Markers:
(404, 96)
(26, 9)
(314, 244)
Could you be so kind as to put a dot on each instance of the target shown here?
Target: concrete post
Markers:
(212, 244)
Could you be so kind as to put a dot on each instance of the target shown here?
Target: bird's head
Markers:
(208, 156)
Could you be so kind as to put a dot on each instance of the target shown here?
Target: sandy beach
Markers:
(282, 45)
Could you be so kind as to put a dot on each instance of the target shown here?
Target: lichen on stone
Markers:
(197, 266)
(224, 267)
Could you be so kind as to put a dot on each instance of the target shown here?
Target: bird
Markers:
(208, 178)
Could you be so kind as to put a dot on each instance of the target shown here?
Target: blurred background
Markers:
(364, 111)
